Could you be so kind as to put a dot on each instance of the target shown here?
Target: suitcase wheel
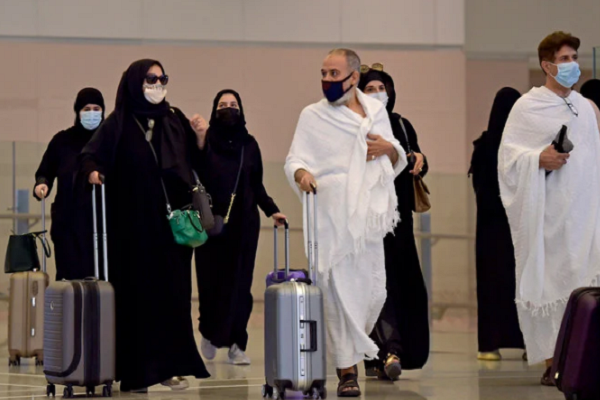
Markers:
(278, 394)
(90, 391)
(107, 391)
(267, 391)
(39, 362)
(50, 390)
(323, 393)
(68, 392)
(14, 361)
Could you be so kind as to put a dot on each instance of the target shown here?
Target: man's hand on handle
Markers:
(305, 180)
(552, 160)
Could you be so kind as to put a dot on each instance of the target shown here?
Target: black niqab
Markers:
(386, 79)
(591, 90)
(223, 137)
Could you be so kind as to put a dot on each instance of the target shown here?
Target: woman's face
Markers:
(374, 87)
(91, 107)
(228, 100)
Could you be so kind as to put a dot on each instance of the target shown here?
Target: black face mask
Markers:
(228, 116)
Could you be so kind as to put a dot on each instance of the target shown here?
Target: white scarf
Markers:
(554, 220)
(357, 199)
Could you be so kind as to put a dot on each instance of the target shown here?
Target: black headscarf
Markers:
(84, 97)
(591, 90)
(222, 137)
(386, 79)
(130, 94)
(503, 104)
(131, 102)
(484, 161)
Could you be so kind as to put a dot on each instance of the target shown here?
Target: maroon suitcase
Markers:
(576, 367)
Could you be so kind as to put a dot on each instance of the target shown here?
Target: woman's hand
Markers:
(279, 218)
(419, 163)
(41, 191)
(94, 178)
(200, 126)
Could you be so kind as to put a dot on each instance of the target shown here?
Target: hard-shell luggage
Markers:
(25, 317)
(576, 366)
(79, 334)
(295, 356)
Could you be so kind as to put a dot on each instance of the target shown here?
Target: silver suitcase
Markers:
(295, 354)
(79, 328)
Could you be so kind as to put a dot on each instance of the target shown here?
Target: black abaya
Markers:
(151, 274)
(225, 264)
(403, 326)
(60, 162)
(498, 324)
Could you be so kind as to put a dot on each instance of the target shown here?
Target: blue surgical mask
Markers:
(90, 119)
(568, 74)
(334, 91)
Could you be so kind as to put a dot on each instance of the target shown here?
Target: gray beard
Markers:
(344, 100)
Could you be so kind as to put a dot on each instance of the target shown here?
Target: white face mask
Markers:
(155, 94)
(381, 96)
(90, 119)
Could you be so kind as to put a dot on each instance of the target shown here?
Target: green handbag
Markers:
(187, 228)
(185, 223)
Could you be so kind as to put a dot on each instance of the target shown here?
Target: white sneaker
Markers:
(237, 356)
(208, 350)
(176, 383)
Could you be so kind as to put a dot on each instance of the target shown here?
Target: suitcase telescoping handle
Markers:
(312, 229)
(104, 237)
(287, 248)
(44, 244)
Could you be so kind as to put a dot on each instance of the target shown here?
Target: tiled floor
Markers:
(452, 373)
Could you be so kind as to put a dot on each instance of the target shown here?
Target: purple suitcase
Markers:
(576, 367)
(278, 275)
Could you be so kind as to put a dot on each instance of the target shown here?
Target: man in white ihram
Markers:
(344, 143)
(552, 199)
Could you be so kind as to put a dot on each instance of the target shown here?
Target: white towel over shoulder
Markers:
(357, 198)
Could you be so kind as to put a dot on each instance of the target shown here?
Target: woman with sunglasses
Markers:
(60, 163)
(143, 143)
(402, 331)
(225, 265)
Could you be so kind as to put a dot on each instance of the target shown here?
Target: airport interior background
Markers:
(448, 59)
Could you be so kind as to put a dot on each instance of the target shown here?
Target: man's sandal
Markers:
(348, 386)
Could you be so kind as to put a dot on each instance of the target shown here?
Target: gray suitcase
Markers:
(295, 356)
(79, 329)
(25, 319)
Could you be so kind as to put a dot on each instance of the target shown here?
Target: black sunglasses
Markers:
(152, 79)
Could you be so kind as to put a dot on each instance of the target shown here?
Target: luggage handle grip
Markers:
(104, 234)
(287, 248)
(312, 326)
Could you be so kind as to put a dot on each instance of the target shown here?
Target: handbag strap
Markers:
(148, 137)
(235, 188)
(405, 136)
